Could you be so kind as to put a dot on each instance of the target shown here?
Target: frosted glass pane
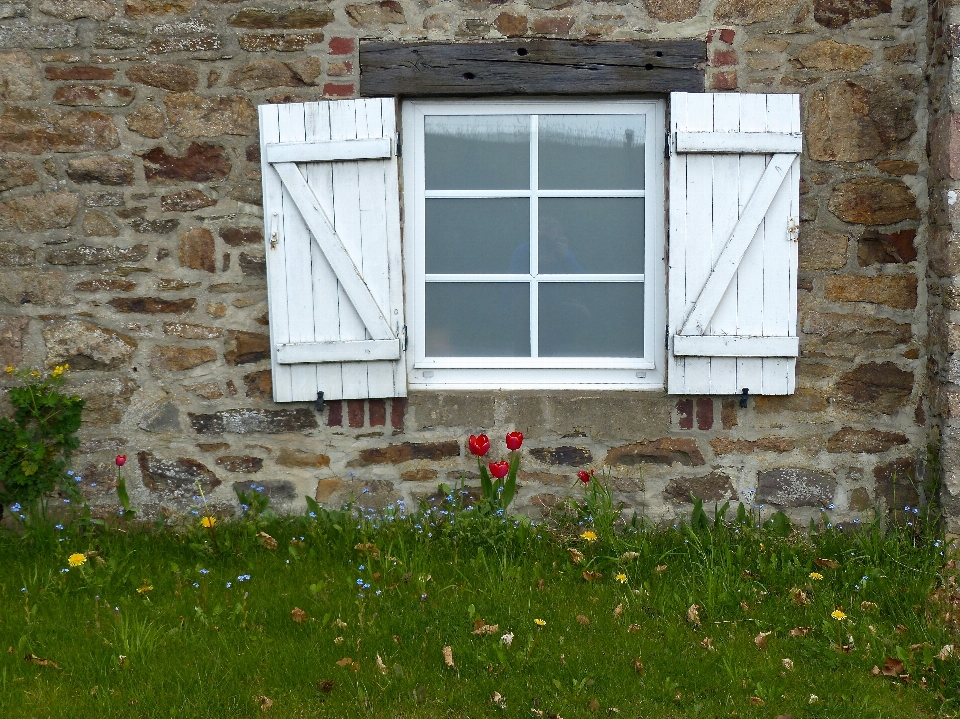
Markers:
(593, 152)
(477, 152)
(591, 319)
(591, 234)
(478, 235)
(478, 319)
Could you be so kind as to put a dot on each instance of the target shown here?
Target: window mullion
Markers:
(534, 235)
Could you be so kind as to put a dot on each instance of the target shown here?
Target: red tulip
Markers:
(121, 460)
(514, 440)
(479, 445)
(499, 469)
(584, 476)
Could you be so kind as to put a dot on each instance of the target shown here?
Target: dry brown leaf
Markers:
(901, 629)
(267, 541)
(325, 685)
(498, 699)
(34, 659)
(638, 665)
(707, 643)
(576, 556)
(915, 647)
(693, 614)
(761, 639)
(370, 548)
(629, 556)
(583, 619)
(744, 606)
(756, 701)
(660, 568)
(747, 574)
(799, 631)
(784, 716)
(618, 610)
(540, 584)
(485, 629)
(345, 662)
(827, 563)
(633, 628)
(338, 640)
(948, 651)
(264, 702)
(381, 667)
(448, 656)
(867, 606)
(799, 597)
(338, 622)
(9, 650)
(787, 663)
(591, 576)
(594, 706)
(892, 667)
(298, 615)
(875, 671)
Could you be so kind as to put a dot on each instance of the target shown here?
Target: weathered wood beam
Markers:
(527, 67)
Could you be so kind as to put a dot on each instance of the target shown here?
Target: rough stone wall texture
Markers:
(131, 247)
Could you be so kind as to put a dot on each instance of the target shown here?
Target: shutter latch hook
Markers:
(274, 230)
(793, 230)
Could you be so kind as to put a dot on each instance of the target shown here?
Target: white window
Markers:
(533, 243)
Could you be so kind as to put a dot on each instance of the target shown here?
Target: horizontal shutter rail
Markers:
(338, 351)
(735, 346)
(378, 148)
(739, 142)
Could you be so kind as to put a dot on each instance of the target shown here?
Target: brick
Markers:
(398, 407)
(704, 413)
(342, 45)
(378, 412)
(355, 412)
(334, 89)
(335, 413)
(685, 413)
(724, 80)
(728, 413)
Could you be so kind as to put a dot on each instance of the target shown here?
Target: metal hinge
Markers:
(666, 145)
(666, 338)
(397, 144)
(405, 338)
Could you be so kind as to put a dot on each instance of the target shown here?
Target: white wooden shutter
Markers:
(331, 207)
(734, 222)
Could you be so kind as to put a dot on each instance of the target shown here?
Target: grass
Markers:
(200, 623)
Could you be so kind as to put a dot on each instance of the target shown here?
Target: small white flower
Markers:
(813, 699)
(507, 639)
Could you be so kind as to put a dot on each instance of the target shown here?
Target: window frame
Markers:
(535, 373)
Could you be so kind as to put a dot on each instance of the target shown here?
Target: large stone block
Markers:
(822, 250)
(795, 487)
(76, 9)
(295, 18)
(874, 201)
(246, 347)
(147, 120)
(831, 55)
(875, 387)
(35, 131)
(838, 124)
(190, 331)
(178, 359)
(397, 453)
(263, 74)
(874, 248)
(899, 291)
(184, 43)
(869, 441)
(165, 75)
(714, 487)
(175, 478)
(748, 12)
(152, 305)
(15, 173)
(201, 163)
(193, 115)
(149, 8)
(94, 96)
(289, 457)
(376, 14)
(186, 201)
(673, 10)
(19, 76)
(896, 484)
(241, 463)
(106, 400)
(87, 346)
(39, 288)
(254, 421)
(850, 332)
(565, 455)
(11, 340)
(14, 255)
(666, 450)
(87, 255)
(836, 13)
(198, 250)
(104, 169)
(725, 445)
(35, 213)
(22, 34)
(278, 42)
(259, 384)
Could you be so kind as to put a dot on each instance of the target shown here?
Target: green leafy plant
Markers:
(36, 444)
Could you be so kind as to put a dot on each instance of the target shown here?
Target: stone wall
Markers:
(131, 246)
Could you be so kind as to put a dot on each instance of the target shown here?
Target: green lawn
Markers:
(212, 630)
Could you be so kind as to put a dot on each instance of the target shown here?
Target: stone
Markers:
(79, 72)
(105, 400)
(22, 34)
(194, 116)
(869, 441)
(278, 42)
(86, 255)
(511, 25)
(35, 213)
(175, 478)
(276, 490)
(374, 494)
(148, 8)
(165, 75)
(246, 347)
(11, 340)
(879, 386)
(76, 9)
(254, 421)
(34, 287)
(152, 305)
(201, 163)
(725, 445)
(339, 69)
(421, 474)
(565, 455)
(207, 390)
(831, 55)
(102, 444)
(12, 255)
(553, 25)
(898, 291)
(104, 169)
(836, 13)
(795, 487)
(672, 10)
(714, 487)
(103, 284)
(854, 331)
(178, 359)
(120, 36)
(259, 384)
(217, 309)
(839, 126)
(405, 452)
(165, 418)
(263, 74)
(288, 457)
(112, 198)
(198, 250)
(376, 14)
(252, 266)
(748, 12)
(308, 69)
(548, 478)
(184, 43)
(242, 464)
(148, 121)
(86, 346)
(186, 201)
(895, 484)
(859, 499)
(19, 76)
(237, 236)
(190, 331)
(822, 250)
(15, 173)
(36, 131)
(874, 201)
(876, 248)
(898, 167)
(94, 96)
(295, 18)
(666, 450)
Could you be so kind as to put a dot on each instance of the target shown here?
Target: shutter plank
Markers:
(723, 347)
(677, 246)
(733, 142)
(329, 151)
(338, 351)
(388, 111)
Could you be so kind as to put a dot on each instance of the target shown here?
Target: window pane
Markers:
(595, 152)
(477, 152)
(591, 234)
(478, 319)
(478, 235)
(591, 319)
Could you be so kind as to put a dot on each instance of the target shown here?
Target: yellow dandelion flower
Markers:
(35, 373)
(10, 369)
(76, 560)
(145, 588)
(838, 615)
(622, 578)
(539, 622)
(816, 575)
(589, 535)
(208, 522)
